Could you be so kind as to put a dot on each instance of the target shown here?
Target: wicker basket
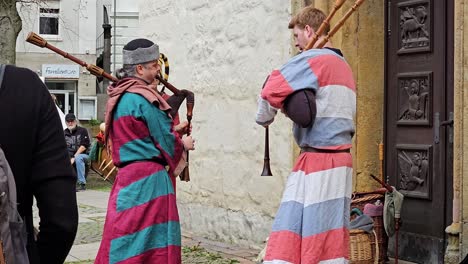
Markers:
(359, 201)
(360, 247)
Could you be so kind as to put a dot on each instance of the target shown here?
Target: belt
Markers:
(316, 150)
(156, 160)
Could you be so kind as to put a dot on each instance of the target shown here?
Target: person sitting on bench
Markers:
(78, 143)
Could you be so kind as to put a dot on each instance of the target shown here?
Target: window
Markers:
(49, 21)
(87, 107)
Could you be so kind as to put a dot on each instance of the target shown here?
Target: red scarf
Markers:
(132, 85)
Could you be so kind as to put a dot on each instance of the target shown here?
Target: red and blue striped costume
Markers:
(142, 222)
(311, 225)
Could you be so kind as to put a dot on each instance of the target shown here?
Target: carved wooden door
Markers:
(418, 130)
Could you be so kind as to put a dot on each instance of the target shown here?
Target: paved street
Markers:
(92, 211)
(92, 206)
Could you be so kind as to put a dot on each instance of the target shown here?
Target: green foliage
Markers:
(197, 254)
(97, 183)
(94, 122)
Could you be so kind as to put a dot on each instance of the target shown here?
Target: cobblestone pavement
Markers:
(195, 250)
(91, 224)
(92, 211)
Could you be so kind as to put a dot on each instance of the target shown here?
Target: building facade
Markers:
(76, 27)
(70, 26)
(123, 17)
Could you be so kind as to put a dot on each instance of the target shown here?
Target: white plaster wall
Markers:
(223, 50)
(126, 6)
(100, 12)
(126, 29)
(77, 26)
(125, 25)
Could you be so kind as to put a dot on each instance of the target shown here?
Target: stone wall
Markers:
(460, 160)
(222, 51)
(362, 40)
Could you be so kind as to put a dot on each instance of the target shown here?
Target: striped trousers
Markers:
(312, 223)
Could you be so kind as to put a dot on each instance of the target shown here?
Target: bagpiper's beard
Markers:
(71, 127)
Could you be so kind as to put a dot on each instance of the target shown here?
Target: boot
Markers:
(81, 187)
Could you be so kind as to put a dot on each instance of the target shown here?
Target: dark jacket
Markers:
(31, 136)
(76, 138)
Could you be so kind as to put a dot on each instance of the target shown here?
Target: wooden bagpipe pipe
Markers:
(294, 106)
(174, 100)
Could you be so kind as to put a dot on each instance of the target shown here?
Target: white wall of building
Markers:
(76, 36)
(99, 9)
(126, 28)
(127, 6)
(77, 28)
(223, 51)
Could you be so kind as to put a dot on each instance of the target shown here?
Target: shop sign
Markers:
(63, 71)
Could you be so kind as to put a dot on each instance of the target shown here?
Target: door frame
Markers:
(67, 102)
(460, 188)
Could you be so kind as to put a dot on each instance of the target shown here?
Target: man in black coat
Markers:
(78, 143)
(31, 136)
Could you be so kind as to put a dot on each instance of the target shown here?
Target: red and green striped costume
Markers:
(142, 222)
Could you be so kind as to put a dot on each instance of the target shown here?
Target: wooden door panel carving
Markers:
(415, 98)
(415, 26)
(414, 170)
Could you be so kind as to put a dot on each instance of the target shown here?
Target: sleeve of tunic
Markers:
(165, 138)
(265, 112)
(300, 72)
